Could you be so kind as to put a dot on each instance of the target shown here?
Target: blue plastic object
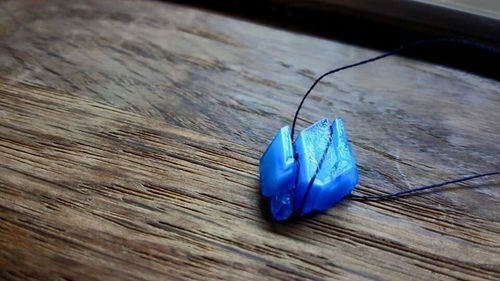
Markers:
(286, 169)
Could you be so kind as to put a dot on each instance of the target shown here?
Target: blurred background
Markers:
(384, 24)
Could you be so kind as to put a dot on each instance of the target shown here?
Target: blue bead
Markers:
(278, 170)
(338, 174)
(286, 180)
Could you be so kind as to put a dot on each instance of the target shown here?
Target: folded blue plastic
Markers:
(291, 178)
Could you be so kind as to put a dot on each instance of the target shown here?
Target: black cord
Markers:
(419, 189)
(457, 41)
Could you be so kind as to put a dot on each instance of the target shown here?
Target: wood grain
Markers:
(130, 133)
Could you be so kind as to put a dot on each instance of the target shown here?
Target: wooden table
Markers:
(130, 135)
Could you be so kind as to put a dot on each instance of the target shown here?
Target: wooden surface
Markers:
(130, 134)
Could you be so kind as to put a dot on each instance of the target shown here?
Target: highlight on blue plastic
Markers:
(286, 169)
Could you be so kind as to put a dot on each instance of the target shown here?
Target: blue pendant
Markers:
(289, 173)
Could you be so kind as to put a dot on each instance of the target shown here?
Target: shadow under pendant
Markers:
(311, 174)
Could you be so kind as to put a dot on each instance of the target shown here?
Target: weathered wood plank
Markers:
(130, 134)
